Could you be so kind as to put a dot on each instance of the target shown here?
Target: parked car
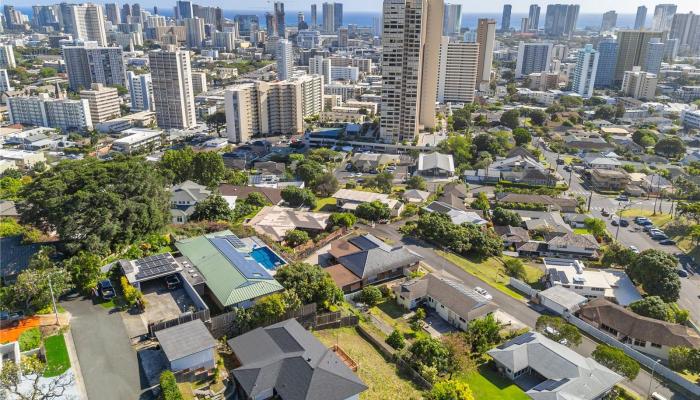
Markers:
(106, 290)
(10, 319)
(614, 222)
(605, 213)
(483, 292)
(668, 242)
(634, 249)
(560, 161)
(682, 273)
(622, 197)
(624, 223)
(567, 168)
(646, 223)
(648, 228)
(172, 282)
(661, 237)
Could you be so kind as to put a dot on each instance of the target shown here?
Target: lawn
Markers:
(487, 384)
(658, 219)
(491, 272)
(391, 313)
(57, 361)
(581, 231)
(325, 204)
(379, 375)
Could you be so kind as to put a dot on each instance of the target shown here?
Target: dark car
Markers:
(624, 223)
(682, 273)
(560, 161)
(106, 290)
(614, 223)
(661, 238)
(668, 242)
(172, 282)
(567, 168)
(10, 319)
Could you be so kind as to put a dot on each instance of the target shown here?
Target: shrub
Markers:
(396, 340)
(131, 294)
(30, 339)
(296, 237)
(616, 360)
(515, 268)
(370, 295)
(168, 386)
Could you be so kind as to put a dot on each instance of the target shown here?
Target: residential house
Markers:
(655, 183)
(366, 162)
(455, 194)
(232, 274)
(587, 143)
(15, 256)
(561, 300)
(576, 220)
(648, 335)
(276, 221)
(449, 297)
(609, 179)
(562, 246)
(457, 216)
(524, 169)
(549, 202)
(284, 361)
(512, 235)
(183, 200)
(627, 144)
(435, 165)
(188, 347)
(349, 199)
(8, 209)
(273, 195)
(366, 259)
(561, 372)
(595, 161)
(571, 274)
(550, 222)
(415, 196)
(269, 168)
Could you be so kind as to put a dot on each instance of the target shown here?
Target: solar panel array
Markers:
(248, 267)
(235, 241)
(155, 265)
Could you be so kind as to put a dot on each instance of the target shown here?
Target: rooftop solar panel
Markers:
(235, 241)
(155, 265)
(247, 266)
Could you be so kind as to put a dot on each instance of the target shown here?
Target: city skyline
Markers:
(621, 6)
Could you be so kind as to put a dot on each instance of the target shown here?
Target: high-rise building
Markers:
(663, 17)
(267, 108)
(560, 19)
(486, 37)
(609, 21)
(337, 15)
(632, 50)
(195, 32)
(343, 38)
(607, 60)
(199, 83)
(654, 56)
(686, 28)
(42, 110)
(13, 18)
(45, 16)
(270, 25)
(314, 17)
(211, 15)
(88, 23)
(533, 57)
(452, 21)
(183, 9)
(126, 13)
(225, 41)
(245, 22)
(7, 56)
(318, 65)
(639, 84)
(173, 96)
(328, 18)
(560, 51)
(5, 85)
(585, 72)
(112, 13)
(136, 13)
(411, 37)
(505, 17)
(141, 91)
(285, 59)
(524, 25)
(671, 49)
(90, 63)
(103, 102)
(641, 18)
(280, 24)
(533, 17)
(457, 71)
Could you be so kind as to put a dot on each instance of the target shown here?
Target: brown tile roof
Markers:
(628, 323)
(342, 276)
(273, 195)
(341, 248)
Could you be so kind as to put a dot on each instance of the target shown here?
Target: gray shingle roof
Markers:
(286, 358)
(185, 339)
(376, 257)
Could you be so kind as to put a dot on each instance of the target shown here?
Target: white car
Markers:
(634, 249)
(483, 292)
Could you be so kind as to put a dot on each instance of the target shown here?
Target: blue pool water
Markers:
(267, 258)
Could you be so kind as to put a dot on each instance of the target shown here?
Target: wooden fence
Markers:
(227, 324)
(154, 327)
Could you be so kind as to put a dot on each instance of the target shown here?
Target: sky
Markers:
(468, 6)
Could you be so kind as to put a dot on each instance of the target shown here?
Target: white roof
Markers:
(137, 135)
(360, 196)
(435, 160)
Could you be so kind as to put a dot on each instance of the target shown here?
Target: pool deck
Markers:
(254, 242)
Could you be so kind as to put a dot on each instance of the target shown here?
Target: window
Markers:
(658, 346)
(640, 343)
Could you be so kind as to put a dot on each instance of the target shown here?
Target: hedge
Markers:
(168, 386)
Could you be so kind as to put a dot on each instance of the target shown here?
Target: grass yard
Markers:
(581, 231)
(487, 384)
(379, 375)
(57, 361)
(658, 219)
(491, 272)
(391, 313)
(325, 204)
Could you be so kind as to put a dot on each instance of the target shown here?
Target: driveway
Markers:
(109, 365)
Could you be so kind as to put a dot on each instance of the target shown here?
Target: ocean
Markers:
(469, 20)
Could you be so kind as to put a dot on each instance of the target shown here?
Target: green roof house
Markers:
(232, 277)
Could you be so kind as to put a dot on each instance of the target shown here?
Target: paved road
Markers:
(108, 362)
(518, 309)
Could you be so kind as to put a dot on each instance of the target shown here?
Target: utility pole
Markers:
(53, 300)
(652, 377)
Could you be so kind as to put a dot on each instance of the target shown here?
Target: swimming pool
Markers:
(267, 258)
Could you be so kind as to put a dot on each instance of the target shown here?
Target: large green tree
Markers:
(450, 390)
(373, 211)
(671, 146)
(560, 330)
(31, 290)
(511, 118)
(84, 269)
(616, 360)
(310, 283)
(297, 197)
(213, 208)
(96, 205)
(655, 270)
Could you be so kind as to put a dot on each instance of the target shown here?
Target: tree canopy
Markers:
(655, 270)
(373, 211)
(616, 360)
(670, 147)
(297, 197)
(213, 208)
(311, 283)
(93, 207)
(504, 217)
(467, 239)
(206, 168)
